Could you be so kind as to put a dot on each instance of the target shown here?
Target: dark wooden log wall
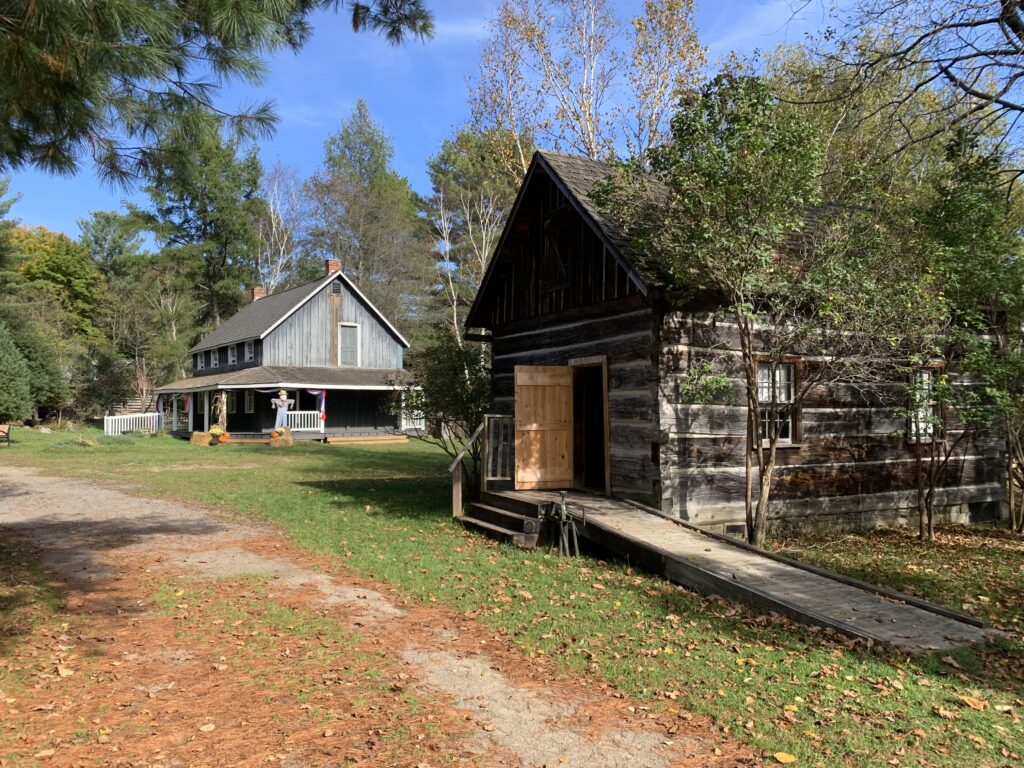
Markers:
(853, 461)
(627, 339)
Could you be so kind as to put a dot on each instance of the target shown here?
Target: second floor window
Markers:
(784, 386)
(232, 354)
(348, 344)
(201, 361)
(214, 358)
(250, 352)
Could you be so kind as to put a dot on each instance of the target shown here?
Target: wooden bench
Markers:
(5, 433)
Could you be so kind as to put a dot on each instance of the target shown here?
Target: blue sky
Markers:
(417, 93)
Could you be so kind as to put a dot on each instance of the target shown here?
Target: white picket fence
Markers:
(305, 421)
(132, 422)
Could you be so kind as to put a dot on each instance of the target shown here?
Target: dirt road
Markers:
(186, 638)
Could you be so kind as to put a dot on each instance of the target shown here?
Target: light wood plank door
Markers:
(543, 427)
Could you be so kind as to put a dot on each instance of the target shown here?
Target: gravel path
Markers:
(92, 535)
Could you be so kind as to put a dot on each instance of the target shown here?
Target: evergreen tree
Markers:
(15, 391)
(105, 78)
(204, 210)
(367, 216)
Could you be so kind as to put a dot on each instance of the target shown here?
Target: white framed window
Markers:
(783, 387)
(348, 344)
(201, 361)
(232, 402)
(232, 354)
(250, 401)
(923, 416)
(215, 358)
(250, 351)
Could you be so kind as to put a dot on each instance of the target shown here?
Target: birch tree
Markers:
(280, 227)
(573, 76)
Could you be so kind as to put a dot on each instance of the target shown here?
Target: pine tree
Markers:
(105, 78)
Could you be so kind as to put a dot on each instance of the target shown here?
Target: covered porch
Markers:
(330, 405)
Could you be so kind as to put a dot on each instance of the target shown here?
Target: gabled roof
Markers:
(258, 318)
(269, 376)
(576, 177)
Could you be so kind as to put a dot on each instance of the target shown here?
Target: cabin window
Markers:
(250, 352)
(215, 358)
(232, 401)
(922, 406)
(232, 354)
(782, 386)
(348, 344)
(201, 361)
(250, 401)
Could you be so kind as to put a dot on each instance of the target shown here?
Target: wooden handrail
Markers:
(456, 471)
(469, 444)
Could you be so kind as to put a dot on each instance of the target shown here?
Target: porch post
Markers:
(191, 412)
(174, 412)
(206, 411)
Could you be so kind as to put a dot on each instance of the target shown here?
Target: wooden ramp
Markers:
(713, 564)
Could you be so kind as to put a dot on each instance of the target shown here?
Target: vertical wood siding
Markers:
(309, 337)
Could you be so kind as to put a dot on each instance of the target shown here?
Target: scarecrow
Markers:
(281, 404)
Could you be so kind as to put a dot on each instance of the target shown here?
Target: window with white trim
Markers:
(923, 417)
(232, 354)
(232, 398)
(201, 361)
(348, 344)
(780, 390)
(250, 401)
(215, 358)
(250, 351)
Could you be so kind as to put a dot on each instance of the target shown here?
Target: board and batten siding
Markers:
(852, 467)
(309, 337)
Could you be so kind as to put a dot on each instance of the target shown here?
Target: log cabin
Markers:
(589, 351)
(337, 357)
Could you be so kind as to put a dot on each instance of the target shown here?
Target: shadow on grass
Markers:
(27, 593)
(411, 498)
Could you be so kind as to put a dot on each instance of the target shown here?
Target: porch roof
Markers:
(291, 377)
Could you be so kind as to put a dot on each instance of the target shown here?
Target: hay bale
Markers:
(284, 440)
(200, 438)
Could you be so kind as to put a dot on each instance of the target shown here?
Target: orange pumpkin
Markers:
(275, 435)
(225, 437)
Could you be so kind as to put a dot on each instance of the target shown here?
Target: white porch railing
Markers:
(132, 422)
(305, 421)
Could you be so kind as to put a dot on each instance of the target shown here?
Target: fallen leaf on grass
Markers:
(974, 703)
(951, 661)
(784, 757)
(45, 753)
(207, 727)
(65, 671)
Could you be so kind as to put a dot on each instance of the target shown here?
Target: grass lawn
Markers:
(384, 510)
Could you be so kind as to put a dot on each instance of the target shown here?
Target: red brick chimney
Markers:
(258, 293)
(331, 266)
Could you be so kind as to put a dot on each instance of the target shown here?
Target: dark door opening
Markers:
(589, 438)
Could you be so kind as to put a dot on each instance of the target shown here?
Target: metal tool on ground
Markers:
(565, 527)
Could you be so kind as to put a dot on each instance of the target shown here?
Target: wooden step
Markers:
(367, 439)
(514, 503)
(503, 518)
(515, 538)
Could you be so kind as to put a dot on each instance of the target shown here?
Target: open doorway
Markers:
(590, 426)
